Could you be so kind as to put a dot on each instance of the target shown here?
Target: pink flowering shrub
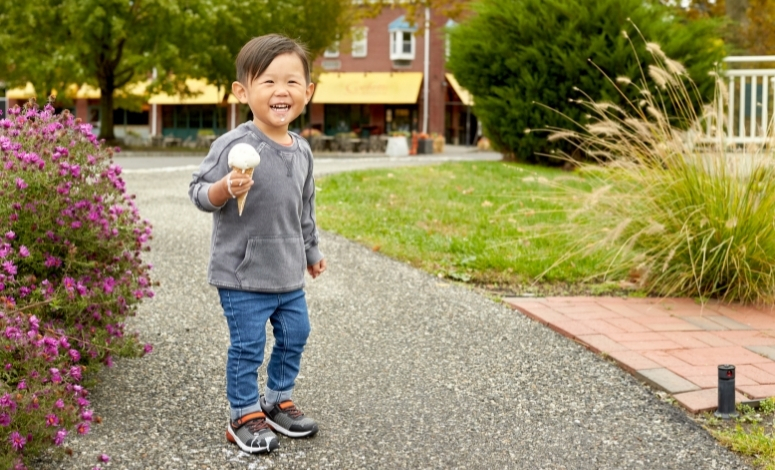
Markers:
(70, 273)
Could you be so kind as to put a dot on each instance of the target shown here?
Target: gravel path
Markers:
(402, 370)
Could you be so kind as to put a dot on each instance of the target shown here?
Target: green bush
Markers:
(516, 56)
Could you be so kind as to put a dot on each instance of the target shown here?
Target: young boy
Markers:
(257, 259)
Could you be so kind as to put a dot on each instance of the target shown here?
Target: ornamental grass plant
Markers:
(70, 273)
(674, 208)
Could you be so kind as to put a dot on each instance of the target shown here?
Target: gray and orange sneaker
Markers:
(252, 434)
(288, 420)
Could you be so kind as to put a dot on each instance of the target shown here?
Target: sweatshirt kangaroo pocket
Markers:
(272, 264)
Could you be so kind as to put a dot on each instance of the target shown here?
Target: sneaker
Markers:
(288, 420)
(252, 434)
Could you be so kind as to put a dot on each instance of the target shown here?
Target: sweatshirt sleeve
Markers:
(206, 176)
(309, 227)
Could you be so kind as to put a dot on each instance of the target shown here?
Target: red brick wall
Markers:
(378, 60)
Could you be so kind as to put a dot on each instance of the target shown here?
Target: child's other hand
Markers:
(317, 269)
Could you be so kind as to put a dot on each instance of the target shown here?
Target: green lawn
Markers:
(495, 224)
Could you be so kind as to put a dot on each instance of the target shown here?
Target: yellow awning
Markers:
(465, 96)
(76, 92)
(21, 93)
(209, 94)
(368, 88)
(205, 94)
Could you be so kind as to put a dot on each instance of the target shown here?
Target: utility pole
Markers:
(426, 70)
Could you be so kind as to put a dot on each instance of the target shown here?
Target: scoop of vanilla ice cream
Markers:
(243, 156)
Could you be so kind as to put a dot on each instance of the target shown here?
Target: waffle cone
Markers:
(241, 199)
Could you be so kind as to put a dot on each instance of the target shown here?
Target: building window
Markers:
(360, 42)
(401, 45)
(447, 40)
(331, 64)
(332, 51)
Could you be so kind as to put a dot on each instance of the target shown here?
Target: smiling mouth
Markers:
(280, 107)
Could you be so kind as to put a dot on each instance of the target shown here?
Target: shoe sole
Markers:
(260, 450)
(277, 428)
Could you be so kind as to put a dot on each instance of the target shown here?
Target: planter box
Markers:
(397, 147)
(424, 146)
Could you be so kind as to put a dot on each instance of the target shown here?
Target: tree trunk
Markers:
(737, 11)
(106, 112)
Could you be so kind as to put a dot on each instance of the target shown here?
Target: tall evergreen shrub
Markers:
(524, 59)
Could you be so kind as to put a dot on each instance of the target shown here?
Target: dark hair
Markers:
(255, 56)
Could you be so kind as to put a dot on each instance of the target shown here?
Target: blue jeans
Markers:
(246, 314)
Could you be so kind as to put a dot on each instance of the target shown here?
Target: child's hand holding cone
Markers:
(243, 159)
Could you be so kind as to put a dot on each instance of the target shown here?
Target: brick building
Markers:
(372, 84)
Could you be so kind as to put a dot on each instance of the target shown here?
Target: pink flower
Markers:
(74, 355)
(5, 419)
(52, 420)
(23, 251)
(147, 348)
(20, 183)
(104, 458)
(82, 428)
(17, 441)
(59, 404)
(9, 267)
(12, 333)
(6, 401)
(87, 415)
(59, 437)
(10, 235)
(52, 261)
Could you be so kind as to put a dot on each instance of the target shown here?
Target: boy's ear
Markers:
(240, 92)
(309, 92)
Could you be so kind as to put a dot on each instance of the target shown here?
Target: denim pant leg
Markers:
(291, 328)
(246, 315)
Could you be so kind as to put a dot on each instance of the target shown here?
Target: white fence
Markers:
(750, 106)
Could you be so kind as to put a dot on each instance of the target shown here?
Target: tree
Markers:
(112, 43)
(525, 59)
(749, 22)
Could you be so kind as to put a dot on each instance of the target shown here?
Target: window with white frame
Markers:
(402, 45)
(332, 51)
(360, 42)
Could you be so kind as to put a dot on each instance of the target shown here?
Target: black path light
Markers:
(726, 392)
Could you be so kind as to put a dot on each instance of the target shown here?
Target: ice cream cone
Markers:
(241, 199)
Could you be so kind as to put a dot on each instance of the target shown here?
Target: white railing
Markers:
(750, 105)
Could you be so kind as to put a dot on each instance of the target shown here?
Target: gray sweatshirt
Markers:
(268, 248)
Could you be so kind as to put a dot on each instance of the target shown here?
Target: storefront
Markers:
(209, 110)
(371, 103)
(460, 124)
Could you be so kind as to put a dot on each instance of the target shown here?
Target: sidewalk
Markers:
(402, 371)
(674, 344)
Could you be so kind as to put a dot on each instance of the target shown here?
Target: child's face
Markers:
(277, 96)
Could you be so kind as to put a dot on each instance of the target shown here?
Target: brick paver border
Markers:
(674, 344)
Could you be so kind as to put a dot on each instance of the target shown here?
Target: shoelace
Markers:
(293, 412)
(256, 425)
